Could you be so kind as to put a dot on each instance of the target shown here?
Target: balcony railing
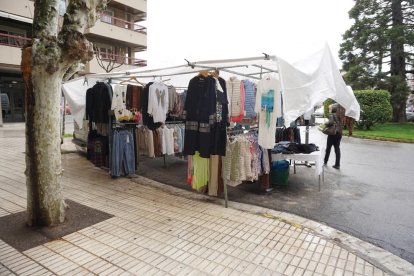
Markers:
(13, 40)
(120, 59)
(123, 23)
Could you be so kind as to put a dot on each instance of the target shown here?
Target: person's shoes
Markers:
(325, 164)
(335, 167)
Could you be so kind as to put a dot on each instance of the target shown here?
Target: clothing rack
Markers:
(194, 67)
(131, 126)
(174, 122)
(164, 160)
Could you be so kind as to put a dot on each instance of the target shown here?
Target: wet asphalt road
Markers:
(371, 197)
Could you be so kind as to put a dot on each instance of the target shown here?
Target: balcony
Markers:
(121, 59)
(140, 5)
(113, 28)
(23, 8)
(122, 63)
(13, 40)
(10, 49)
(11, 55)
(123, 23)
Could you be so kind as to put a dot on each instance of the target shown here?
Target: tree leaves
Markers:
(378, 46)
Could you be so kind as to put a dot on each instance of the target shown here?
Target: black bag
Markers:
(331, 130)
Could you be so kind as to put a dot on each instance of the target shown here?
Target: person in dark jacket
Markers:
(334, 140)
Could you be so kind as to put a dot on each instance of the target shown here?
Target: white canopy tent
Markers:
(305, 84)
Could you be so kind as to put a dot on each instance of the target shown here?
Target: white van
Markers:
(5, 104)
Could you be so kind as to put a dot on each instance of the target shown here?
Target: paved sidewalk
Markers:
(161, 230)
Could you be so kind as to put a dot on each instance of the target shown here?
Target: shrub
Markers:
(375, 107)
(326, 105)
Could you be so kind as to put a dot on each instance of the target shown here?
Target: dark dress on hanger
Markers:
(218, 137)
(205, 113)
(199, 109)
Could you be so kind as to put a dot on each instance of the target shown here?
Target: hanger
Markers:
(203, 73)
(131, 79)
(214, 73)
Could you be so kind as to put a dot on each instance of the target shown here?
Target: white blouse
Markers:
(158, 101)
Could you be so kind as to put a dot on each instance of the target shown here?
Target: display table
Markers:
(316, 157)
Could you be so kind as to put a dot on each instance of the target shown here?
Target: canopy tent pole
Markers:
(268, 69)
(226, 70)
(234, 60)
(196, 63)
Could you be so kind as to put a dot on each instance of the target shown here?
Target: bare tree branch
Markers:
(110, 63)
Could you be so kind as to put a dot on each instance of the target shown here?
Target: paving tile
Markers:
(329, 270)
(290, 269)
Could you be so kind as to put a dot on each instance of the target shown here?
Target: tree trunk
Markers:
(398, 92)
(45, 203)
(44, 63)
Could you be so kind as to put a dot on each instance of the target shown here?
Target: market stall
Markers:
(281, 90)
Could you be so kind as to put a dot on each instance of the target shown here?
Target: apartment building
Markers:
(117, 36)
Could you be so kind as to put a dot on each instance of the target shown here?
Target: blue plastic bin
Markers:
(279, 172)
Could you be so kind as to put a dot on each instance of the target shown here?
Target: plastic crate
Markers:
(279, 172)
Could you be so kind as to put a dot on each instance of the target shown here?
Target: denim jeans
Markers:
(123, 156)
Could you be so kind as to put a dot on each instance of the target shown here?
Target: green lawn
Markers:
(398, 132)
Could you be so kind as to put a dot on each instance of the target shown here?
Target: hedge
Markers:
(375, 107)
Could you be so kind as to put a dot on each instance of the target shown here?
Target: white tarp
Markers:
(75, 94)
(305, 84)
(311, 81)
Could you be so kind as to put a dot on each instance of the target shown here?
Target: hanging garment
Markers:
(158, 102)
(213, 181)
(167, 140)
(239, 164)
(268, 106)
(157, 142)
(172, 98)
(145, 141)
(147, 119)
(219, 128)
(235, 92)
(97, 149)
(249, 102)
(133, 97)
(118, 101)
(180, 104)
(98, 103)
(177, 137)
(123, 158)
(200, 173)
(199, 110)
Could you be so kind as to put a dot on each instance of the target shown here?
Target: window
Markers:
(107, 15)
(128, 23)
(105, 52)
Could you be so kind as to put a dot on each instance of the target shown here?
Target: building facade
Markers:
(117, 37)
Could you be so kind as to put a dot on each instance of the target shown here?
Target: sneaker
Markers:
(335, 167)
(325, 164)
